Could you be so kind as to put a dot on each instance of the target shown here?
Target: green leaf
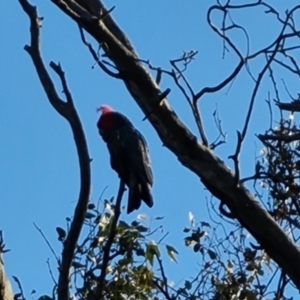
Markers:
(123, 225)
(142, 228)
(89, 215)
(186, 229)
(230, 264)
(250, 267)
(151, 250)
(77, 265)
(197, 247)
(154, 248)
(142, 217)
(249, 295)
(91, 206)
(61, 233)
(188, 285)
(45, 297)
(260, 272)
(135, 223)
(149, 255)
(171, 250)
(188, 241)
(107, 205)
(183, 292)
(213, 255)
(205, 224)
(124, 262)
(140, 252)
(91, 256)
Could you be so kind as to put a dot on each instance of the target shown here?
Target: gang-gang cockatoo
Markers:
(129, 155)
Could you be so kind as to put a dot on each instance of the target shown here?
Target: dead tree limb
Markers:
(67, 110)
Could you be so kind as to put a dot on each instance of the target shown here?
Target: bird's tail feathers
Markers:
(134, 198)
(136, 194)
(146, 195)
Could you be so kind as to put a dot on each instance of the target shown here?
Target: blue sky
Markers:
(39, 166)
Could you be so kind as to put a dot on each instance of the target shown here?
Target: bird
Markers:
(129, 155)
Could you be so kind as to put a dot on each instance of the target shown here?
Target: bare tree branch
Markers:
(285, 138)
(21, 293)
(68, 111)
(292, 106)
(96, 57)
(47, 242)
(107, 247)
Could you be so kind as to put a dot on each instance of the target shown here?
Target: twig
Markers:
(242, 135)
(293, 106)
(47, 242)
(166, 293)
(164, 236)
(217, 121)
(19, 286)
(96, 57)
(156, 283)
(274, 83)
(187, 58)
(161, 97)
(51, 273)
(268, 101)
(107, 12)
(2, 247)
(284, 138)
(107, 247)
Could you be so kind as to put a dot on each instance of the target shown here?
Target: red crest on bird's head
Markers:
(106, 120)
(104, 109)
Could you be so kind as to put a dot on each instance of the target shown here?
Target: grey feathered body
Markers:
(129, 157)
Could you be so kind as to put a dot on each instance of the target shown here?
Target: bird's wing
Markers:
(137, 152)
(117, 155)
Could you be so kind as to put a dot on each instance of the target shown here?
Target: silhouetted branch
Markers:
(47, 242)
(68, 111)
(96, 57)
(178, 74)
(164, 277)
(242, 135)
(293, 106)
(107, 247)
(21, 294)
(161, 289)
(218, 122)
(284, 138)
(161, 97)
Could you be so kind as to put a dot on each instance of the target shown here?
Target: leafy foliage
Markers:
(229, 267)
